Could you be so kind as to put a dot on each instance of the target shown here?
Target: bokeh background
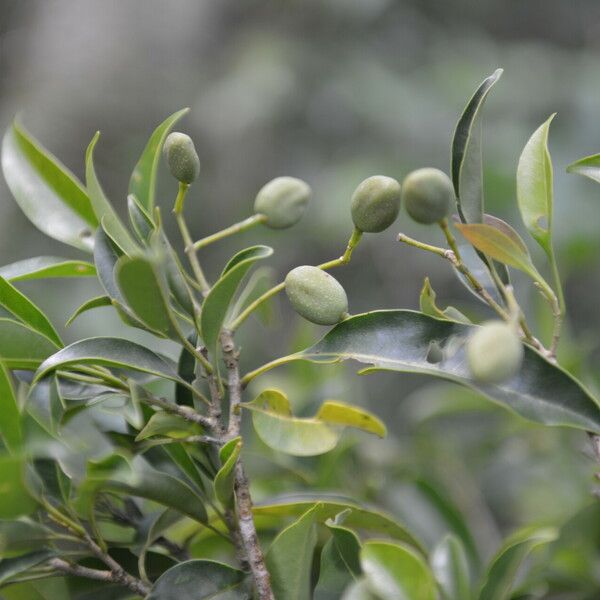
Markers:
(333, 91)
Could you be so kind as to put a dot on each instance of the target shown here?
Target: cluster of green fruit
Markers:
(494, 353)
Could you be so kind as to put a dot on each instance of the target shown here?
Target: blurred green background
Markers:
(333, 91)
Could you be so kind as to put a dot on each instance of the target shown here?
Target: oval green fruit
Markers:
(427, 195)
(316, 295)
(282, 201)
(376, 203)
(494, 352)
(181, 156)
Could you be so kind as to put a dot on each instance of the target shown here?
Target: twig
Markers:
(231, 230)
(185, 412)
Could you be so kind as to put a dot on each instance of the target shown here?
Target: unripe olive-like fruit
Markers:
(282, 201)
(494, 352)
(181, 156)
(375, 203)
(427, 195)
(316, 295)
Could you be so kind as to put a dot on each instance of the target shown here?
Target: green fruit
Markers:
(376, 203)
(316, 295)
(427, 195)
(282, 201)
(494, 352)
(181, 156)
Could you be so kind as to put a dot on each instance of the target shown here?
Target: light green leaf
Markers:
(216, 304)
(14, 567)
(588, 167)
(534, 187)
(201, 580)
(399, 340)
(394, 571)
(106, 256)
(261, 280)
(429, 307)
(140, 220)
(360, 591)
(168, 425)
(23, 535)
(500, 575)
(90, 304)
(46, 404)
(48, 193)
(10, 418)
(451, 569)
(467, 175)
(43, 267)
(290, 556)
(143, 179)
(225, 477)
(21, 347)
(275, 425)
(15, 499)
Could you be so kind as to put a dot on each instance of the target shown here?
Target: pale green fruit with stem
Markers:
(375, 203)
(427, 195)
(182, 158)
(282, 201)
(316, 295)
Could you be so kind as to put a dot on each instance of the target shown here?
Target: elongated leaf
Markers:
(186, 369)
(394, 571)
(10, 419)
(534, 186)
(429, 307)
(24, 535)
(588, 167)
(140, 220)
(467, 175)
(12, 567)
(398, 340)
(275, 425)
(43, 267)
(48, 193)
(102, 207)
(21, 347)
(25, 310)
(46, 404)
(15, 499)
(143, 179)
(224, 479)
(174, 274)
(216, 304)
(90, 304)
(451, 569)
(106, 256)
(200, 580)
(168, 425)
(500, 575)
(290, 556)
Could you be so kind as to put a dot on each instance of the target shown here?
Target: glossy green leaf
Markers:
(534, 186)
(143, 179)
(23, 535)
(360, 590)
(25, 310)
(15, 499)
(10, 418)
(225, 477)
(97, 302)
(168, 425)
(467, 175)
(46, 404)
(42, 267)
(216, 304)
(588, 166)
(399, 340)
(290, 556)
(106, 256)
(451, 569)
(21, 347)
(500, 576)
(394, 571)
(48, 193)
(13, 567)
(273, 421)
(102, 207)
(201, 580)
(140, 220)
(429, 307)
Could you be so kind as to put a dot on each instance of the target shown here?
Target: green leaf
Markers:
(140, 220)
(216, 304)
(467, 175)
(275, 425)
(143, 179)
(360, 591)
(290, 556)
(399, 340)
(145, 293)
(261, 280)
(534, 187)
(10, 418)
(42, 267)
(25, 310)
(106, 256)
(588, 167)
(48, 193)
(394, 571)
(225, 477)
(429, 307)
(501, 572)
(21, 347)
(23, 535)
(15, 499)
(451, 569)
(168, 425)
(46, 404)
(90, 304)
(186, 369)
(103, 209)
(199, 580)
(13, 567)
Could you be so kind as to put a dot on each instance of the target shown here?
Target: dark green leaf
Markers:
(12, 567)
(15, 499)
(186, 369)
(10, 418)
(140, 220)
(450, 568)
(90, 304)
(174, 275)
(168, 425)
(43, 267)
(225, 477)
(21, 347)
(588, 167)
(48, 193)
(106, 256)
(23, 535)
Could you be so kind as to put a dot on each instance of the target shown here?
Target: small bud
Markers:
(316, 295)
(181, 156)
(427, 194)
(375, 203)
(435, 353)
(282, 201)
(494, 352)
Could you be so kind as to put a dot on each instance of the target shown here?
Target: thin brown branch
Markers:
(185, 412)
